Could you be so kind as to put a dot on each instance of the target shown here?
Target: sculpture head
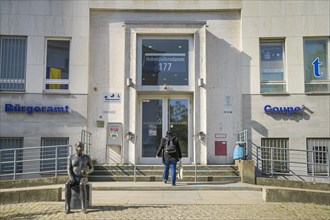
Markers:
(79, 148)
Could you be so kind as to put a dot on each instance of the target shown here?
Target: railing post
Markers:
(271, 162)
(328, 163)
(15, 164)
(56, 161)
(257, 158)
(313, 159)
(134, 172)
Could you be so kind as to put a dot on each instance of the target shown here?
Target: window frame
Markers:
(45, 155)
(19, 157)
(266, 164)
(310, 146)
(317, 81)
(57, 81)
(274, 82)
(16, 81)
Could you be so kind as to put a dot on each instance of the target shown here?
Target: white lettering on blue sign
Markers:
(316, 67)
(31, 109)
(284, 110)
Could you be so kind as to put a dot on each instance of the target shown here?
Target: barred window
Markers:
(12, 63)
(48, 154)
(318, 154)
(278, 152)
(8, 155)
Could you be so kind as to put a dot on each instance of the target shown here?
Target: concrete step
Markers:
(146, 173)
(222, 179)
(160, 172)
(160, 167)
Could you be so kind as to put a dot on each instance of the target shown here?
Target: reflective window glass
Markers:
(165, 61)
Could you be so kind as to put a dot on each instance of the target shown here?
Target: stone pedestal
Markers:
(75, 202)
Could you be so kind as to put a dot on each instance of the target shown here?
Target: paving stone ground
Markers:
(55, 210)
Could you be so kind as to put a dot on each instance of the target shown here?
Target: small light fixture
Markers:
(200, 82)
(129, 82)
(129, 135)
(165, 86)
(201, 136)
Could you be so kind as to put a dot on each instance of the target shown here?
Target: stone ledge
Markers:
(7, 184)
(32, 195)
(296, 195)
(292, 184)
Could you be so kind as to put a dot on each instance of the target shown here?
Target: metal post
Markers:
(257, 158)
(328, 163)
(313, 174)
(195, 159)
(55, 161)
(15, 164)
(134, 172)
(271, 162)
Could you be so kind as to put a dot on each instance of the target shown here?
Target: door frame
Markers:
(165, 98)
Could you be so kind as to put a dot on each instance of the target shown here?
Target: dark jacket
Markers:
(166, 156)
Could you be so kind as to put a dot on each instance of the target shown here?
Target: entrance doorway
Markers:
(159, 114)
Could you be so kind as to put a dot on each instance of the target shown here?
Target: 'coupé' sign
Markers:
(284, 110)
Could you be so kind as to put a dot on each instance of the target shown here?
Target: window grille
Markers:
(8, 156)
(279, 155)
(48, 155)
(12, 63)
(320, 148)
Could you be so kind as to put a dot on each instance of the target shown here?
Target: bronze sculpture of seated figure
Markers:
(79, 166)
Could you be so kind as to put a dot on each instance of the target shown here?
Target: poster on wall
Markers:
(152, 130)
(114, 134)
(228, 110)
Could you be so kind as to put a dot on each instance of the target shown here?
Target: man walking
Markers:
(170, 151)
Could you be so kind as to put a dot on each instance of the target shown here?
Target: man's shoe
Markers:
(67, 208)
(84, 211)
(165, 181)
(173, 184)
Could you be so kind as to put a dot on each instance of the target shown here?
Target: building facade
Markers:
(128, 71)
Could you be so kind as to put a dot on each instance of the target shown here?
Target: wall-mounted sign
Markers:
(284, 110)
(227, 111)
(111, 97)
(115, 134)
(220, 135)
(36, 109)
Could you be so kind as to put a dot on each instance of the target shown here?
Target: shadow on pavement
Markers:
(101, 208)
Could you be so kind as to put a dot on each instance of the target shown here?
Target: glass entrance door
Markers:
(160, 115)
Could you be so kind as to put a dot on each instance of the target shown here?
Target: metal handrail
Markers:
(292, 160)
(26, 159)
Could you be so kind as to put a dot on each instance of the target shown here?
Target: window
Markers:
(8, 154)
(48, 154)
(12, 63)
(318, 153)
(278, 153)
(272, 67)
(57, 69)
(316, 65)
(165, 61)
